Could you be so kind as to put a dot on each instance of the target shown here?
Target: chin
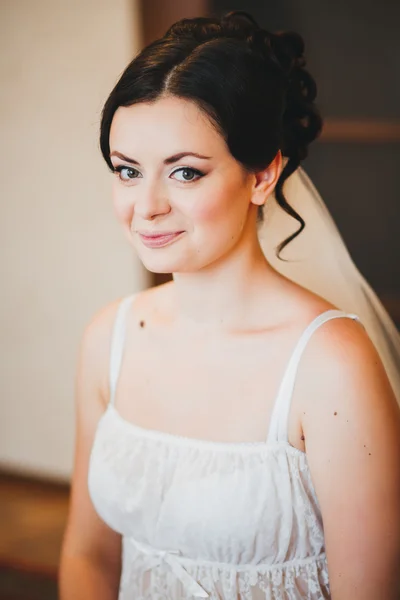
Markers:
(159, 270)
(164, 266)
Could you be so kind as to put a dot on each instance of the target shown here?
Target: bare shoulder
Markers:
(96, 342)
(99, 327)
(340, 369)
(342, 352)
(341, 365)
(351, 424)
(97, 335)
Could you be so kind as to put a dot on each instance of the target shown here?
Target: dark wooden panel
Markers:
(32, 521)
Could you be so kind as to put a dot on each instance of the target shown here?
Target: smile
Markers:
(160, 240)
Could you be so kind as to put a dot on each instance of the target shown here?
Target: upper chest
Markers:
(204, 386)
(208, 385)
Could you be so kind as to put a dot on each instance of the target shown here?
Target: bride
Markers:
(238, 428)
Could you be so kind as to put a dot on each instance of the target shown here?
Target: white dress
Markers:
(206, 519)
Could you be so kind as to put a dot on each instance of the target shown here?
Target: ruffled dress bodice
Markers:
(205, 519)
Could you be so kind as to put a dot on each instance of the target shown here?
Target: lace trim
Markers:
(156, 575)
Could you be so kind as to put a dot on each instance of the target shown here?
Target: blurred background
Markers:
(64, 256)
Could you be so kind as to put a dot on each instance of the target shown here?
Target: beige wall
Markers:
(63, 255)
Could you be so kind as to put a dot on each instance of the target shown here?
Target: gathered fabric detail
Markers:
(204, 519)
(152, 574)
(200, 522)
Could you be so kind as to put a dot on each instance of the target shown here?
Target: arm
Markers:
(352, 430)
(90, 561)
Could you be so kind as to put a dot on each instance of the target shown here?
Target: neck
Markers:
(229, 295)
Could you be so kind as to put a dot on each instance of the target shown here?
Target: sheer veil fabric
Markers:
(319, 260)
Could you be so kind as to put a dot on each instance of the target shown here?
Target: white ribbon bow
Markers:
(167, 556)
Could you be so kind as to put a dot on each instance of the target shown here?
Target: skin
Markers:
(225, 296)
(217, 212)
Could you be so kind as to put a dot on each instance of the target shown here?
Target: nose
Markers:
(151, 202)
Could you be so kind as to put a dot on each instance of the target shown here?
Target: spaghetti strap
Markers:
(117, 343)
(278, 429)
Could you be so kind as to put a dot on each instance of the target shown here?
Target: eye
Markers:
(187, 173)
(126, 173)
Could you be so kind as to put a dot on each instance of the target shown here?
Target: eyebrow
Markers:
(167, 161)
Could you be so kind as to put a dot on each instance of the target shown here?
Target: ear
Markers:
(266, 180)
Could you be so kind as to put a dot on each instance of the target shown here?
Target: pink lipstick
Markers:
(159, 240)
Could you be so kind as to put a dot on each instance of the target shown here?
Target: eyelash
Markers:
(120, 168)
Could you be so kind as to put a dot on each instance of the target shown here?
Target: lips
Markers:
(149, 234)
(158, 240)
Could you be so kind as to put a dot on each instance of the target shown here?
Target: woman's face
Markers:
(210, 198)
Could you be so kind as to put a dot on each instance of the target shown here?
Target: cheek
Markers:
(211, 207)
(206, 212)
(222, 204)
(122, 207)
(218, 219)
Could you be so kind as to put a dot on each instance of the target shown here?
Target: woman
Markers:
(235, 438)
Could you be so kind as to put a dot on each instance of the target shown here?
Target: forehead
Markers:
(170, 122)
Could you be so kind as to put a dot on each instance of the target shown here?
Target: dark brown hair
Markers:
(251, 83)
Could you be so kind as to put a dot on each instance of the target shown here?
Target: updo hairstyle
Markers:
(252, 85)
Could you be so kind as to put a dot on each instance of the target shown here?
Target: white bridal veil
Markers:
(320, 261)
